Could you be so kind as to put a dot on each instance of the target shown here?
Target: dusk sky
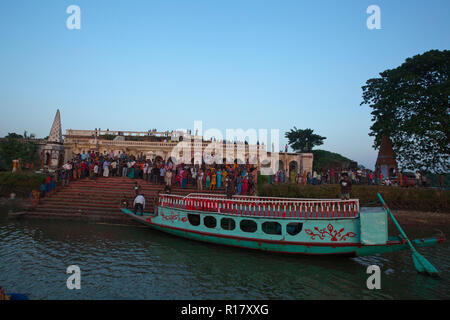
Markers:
(139, 65)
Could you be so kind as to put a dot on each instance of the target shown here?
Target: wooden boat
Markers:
(293, 226)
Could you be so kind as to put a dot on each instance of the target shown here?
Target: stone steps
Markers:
(99, 199)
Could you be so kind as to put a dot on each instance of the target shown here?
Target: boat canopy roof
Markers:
(266, 207)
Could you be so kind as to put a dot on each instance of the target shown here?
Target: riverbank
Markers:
(16, 205)
(426, 220)
(398, 198)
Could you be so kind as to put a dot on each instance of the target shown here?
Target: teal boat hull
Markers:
(340, 237)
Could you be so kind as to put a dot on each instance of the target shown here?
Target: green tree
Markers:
(303, 140)
(324, 159)
(411, 104)
(13, 146)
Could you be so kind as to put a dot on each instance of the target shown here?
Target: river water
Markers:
(127, 262)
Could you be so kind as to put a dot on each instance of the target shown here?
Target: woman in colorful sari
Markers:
(213, 181)
(185, 178)
(239, 184)
(219, 178)
(224, 176)
(293, 175)
(208, 181)
(131, 174)
(245, 185)
(74, 172)
(180, 176)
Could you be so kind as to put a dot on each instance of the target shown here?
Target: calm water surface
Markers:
(123, 262)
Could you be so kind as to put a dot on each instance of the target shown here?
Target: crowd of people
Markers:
(203, 177)
(356, 176)
(233, 179)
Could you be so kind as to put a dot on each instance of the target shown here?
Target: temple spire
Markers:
(386, 162)
(56, 132)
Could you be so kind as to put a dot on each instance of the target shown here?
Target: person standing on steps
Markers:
(124, 202)
(346, 187)
(230, 186)
(137, 188)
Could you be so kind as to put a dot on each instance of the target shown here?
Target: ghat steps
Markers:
(99, 199)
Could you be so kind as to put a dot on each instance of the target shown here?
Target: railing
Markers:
(263, 207)
(250, 198)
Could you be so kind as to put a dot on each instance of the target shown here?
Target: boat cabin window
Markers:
(294, 228)
(271, 227)
(248, 226)
(194, 219)
(227, 224)
(210, 222)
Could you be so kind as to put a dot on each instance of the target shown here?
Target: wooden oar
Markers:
(422, 265)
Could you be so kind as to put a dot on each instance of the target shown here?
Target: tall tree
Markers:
(411, 104)
(303, 140)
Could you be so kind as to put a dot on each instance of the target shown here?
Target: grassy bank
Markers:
(19, 183)
(421, 199)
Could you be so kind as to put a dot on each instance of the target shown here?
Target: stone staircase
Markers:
(100, 199)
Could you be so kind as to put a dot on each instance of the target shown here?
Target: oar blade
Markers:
(423, 265)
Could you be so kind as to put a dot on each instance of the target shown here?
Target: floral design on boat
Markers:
(331, 232)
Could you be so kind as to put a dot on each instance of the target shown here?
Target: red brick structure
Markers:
(386, 162)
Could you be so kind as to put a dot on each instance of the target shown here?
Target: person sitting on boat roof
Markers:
(139, 204)
(167, 189)
(346, 187)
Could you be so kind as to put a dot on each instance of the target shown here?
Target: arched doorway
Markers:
(280, 165)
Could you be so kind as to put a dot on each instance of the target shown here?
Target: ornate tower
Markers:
(52, 154)
(386, 163)
(56, 132)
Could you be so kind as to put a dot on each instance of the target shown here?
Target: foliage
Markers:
(421, 199)
(109, 136)
(29, 136)
(303, 140)
(20, 183)
(262, 179)
(327, 160)
(411, 105)
(14, 146)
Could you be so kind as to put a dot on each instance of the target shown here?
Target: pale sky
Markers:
(139, 65)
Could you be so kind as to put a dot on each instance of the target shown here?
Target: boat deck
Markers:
(264, 207)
